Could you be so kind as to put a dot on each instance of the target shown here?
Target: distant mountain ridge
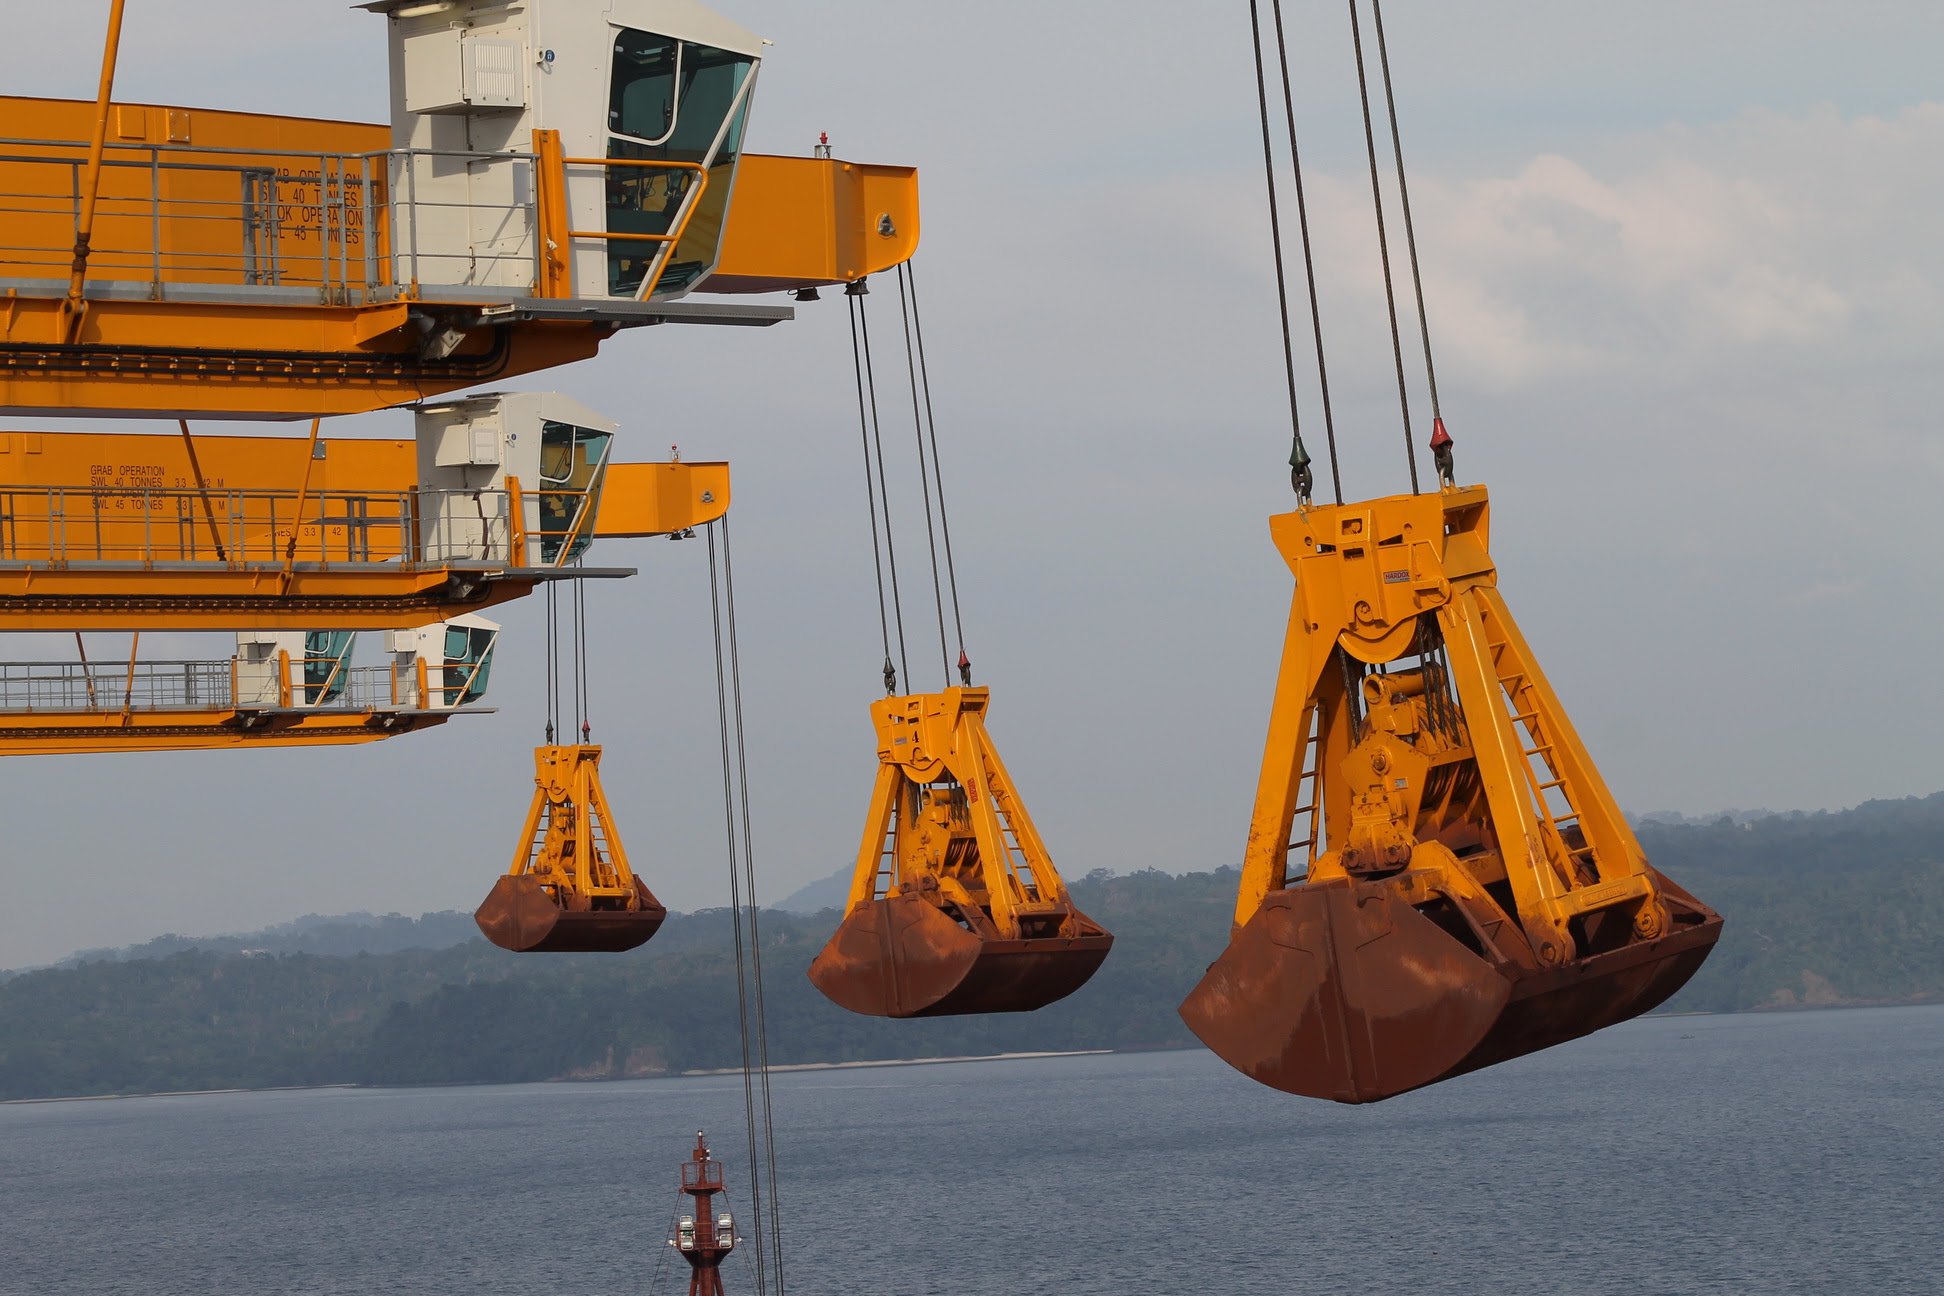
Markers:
(825, 893)
(340, 934)
(1822, 909)
(367, 933)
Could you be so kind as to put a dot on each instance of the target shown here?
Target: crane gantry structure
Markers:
(552, 173)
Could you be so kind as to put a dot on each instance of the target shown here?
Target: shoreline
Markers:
(901, 1062)
(866, 1064)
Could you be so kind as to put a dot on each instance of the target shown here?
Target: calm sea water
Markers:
(1756, 1154)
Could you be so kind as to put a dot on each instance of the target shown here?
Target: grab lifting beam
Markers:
(955, 906)
(1436, 877)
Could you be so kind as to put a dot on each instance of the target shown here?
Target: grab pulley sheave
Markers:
(955, 906)
(570, 888)
(1436, 877)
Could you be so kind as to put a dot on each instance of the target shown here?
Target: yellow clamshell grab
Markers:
(1436, 877)
(570, 888)
(955, 906)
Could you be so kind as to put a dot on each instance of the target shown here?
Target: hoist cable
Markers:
(553, 661)
(1309, 261)
(1383, 246)
(731, 837)
(581, 664)
(884, 490)
(749, 886)
(870, 484)
(924, 473)
(867, 421)
(674, 1214)
(577, 631)
(1404, 198)
(1275, 220)
(754, 1041)
(931, 430)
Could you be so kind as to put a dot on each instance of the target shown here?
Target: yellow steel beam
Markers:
(213, 596)
(636, 499)
(23, 734)
(804, 222)
(137, 358)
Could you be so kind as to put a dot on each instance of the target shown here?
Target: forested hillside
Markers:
(1822, 909)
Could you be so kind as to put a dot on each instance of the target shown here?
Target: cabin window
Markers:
(671, 101)
(469, 660)
(571, 460)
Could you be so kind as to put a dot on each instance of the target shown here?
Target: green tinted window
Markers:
(671, 102)
(469, 660)
(571, 459)
(710, 80)
(642, 100)
(325, 655)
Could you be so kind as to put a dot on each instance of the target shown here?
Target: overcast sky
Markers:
(1683, 280)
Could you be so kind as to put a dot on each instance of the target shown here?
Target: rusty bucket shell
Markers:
(1343, 990)
(520, 915)
(904, 957)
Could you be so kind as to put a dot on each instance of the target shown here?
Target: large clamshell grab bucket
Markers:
(1346, 991)
(1436, 878)
(570, 889)
(955, 906)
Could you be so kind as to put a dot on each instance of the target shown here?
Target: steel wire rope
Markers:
(1404, 200)
(736, 826)
(1275, 233)
(924, 473)
(866, 415)
(735, 898)
(755, 909)
(583, 696)
(553, 661)
(1383, 245)
(884, 489)
(661, 1261)
(1309, 260)
(931, 426)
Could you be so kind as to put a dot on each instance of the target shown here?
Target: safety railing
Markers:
(237, 684)
(415, 528)
(200, 216)
(701, 1174)
(342, 223)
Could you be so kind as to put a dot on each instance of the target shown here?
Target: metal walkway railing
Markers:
(236, 684)
(414, 528)
(346, 224)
